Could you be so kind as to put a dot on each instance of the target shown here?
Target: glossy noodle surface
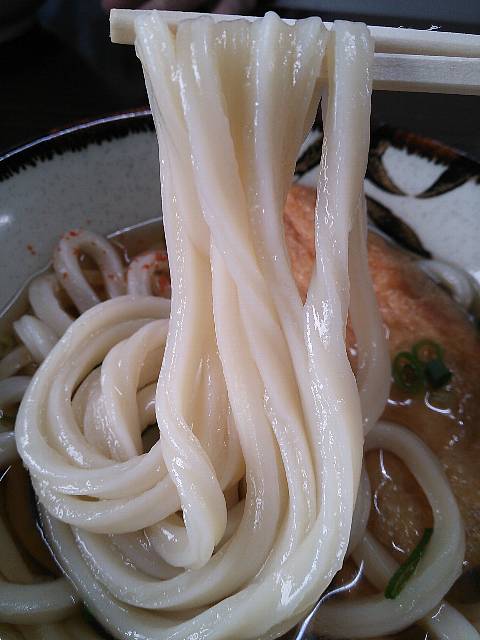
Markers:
(198, 430)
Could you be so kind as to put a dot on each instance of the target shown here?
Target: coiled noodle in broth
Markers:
(236, 520)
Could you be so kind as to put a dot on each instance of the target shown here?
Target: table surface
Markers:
(57, 74)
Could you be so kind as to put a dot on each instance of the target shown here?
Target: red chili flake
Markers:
(146, 266)
(76, 251)
(73, 233)
(64, 275)
(31, 249)
(160, 256)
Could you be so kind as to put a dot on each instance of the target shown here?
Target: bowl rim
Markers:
(74, 138)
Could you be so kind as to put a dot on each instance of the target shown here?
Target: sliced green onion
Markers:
(407, 372)
(427, 350)
(437, 374)
(424, 366)
(406, 570)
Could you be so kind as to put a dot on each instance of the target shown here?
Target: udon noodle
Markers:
(238, 518)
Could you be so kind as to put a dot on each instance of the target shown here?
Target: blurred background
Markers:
(58, 66)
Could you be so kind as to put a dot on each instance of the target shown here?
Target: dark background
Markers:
(60, 68)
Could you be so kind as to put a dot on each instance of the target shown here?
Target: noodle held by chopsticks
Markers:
(245, 503)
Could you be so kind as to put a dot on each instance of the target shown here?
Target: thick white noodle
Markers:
(21, 601)
(142, 270)
(438, 569)
(35, 606)
(373, 360)
(36, 336)
(69, 272)
(443, 621)
(43, 298)
(12, 390)
(36, 603)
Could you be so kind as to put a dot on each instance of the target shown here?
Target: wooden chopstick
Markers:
(405, 59)
(426, 74)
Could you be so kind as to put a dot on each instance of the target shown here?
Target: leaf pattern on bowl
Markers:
(458, 173)
(376, 171)
(395, 228)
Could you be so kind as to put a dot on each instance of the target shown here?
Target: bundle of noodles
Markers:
(237, 519)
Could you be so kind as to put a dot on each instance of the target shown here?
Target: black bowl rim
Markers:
(73, 138)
